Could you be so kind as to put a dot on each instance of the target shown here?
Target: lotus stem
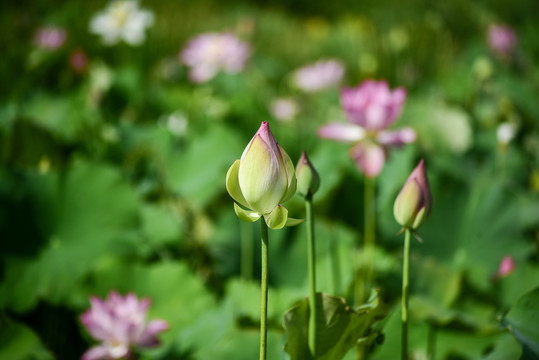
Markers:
(405, 278)
(264, 291)
(312, 274)
(370, 232)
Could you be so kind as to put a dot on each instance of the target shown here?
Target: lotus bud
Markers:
(264, 177)
(307, 177)
(507, 266)
(413, 204)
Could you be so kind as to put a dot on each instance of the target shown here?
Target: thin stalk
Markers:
(405, 277)
(359, 294)
(364, 269)
(264, 291)
(359, 284)
(247, 250)
(370, 232)
(312, 274)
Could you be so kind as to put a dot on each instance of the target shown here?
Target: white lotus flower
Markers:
(122, 20)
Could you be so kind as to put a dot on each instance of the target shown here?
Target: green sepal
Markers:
(233, 184)
(406, 206)
(420, 218)
(246, 215)
(417, 237)
(277, 218)
(291, 176)
(293, 222)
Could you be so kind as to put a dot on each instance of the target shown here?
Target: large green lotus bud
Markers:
(264, 177)
(414, 201)
(307, 176)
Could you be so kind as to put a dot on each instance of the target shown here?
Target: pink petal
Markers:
(114, 298)
(267, 137)
(94, 328)
(419, 175)
(149, 336)
(98, 352)
(370, 158)
(396, 138)
(347, 133)
(372, 104)
(97, 319)
(202, 73)
(376, 116)
(395, 108)
(318, 76)
(143, 305)
(398, 96)
(210, 53)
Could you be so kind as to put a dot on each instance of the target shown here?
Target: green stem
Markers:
(359, 284)
(264, 290)
(405, 277)
(246, 233)
(365, 268)
(312, 274)
(370, 228)
(360, 352)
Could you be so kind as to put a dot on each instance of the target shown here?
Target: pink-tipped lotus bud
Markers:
(414, 201)
(264, 177)
(307, 177)
(507, 266)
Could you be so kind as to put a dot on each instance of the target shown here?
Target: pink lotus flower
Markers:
(210, 53)
(507, 266)
(319, 76)
(119, 323)
(502, 39)
(370, 108)
(50, 37)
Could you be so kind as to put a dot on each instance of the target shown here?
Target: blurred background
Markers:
(114, 151)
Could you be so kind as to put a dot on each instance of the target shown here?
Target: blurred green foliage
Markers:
(113, 177)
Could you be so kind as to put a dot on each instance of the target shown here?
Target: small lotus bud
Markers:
(507, 266)
(264, 177)
(307, 176)
(414, 201)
